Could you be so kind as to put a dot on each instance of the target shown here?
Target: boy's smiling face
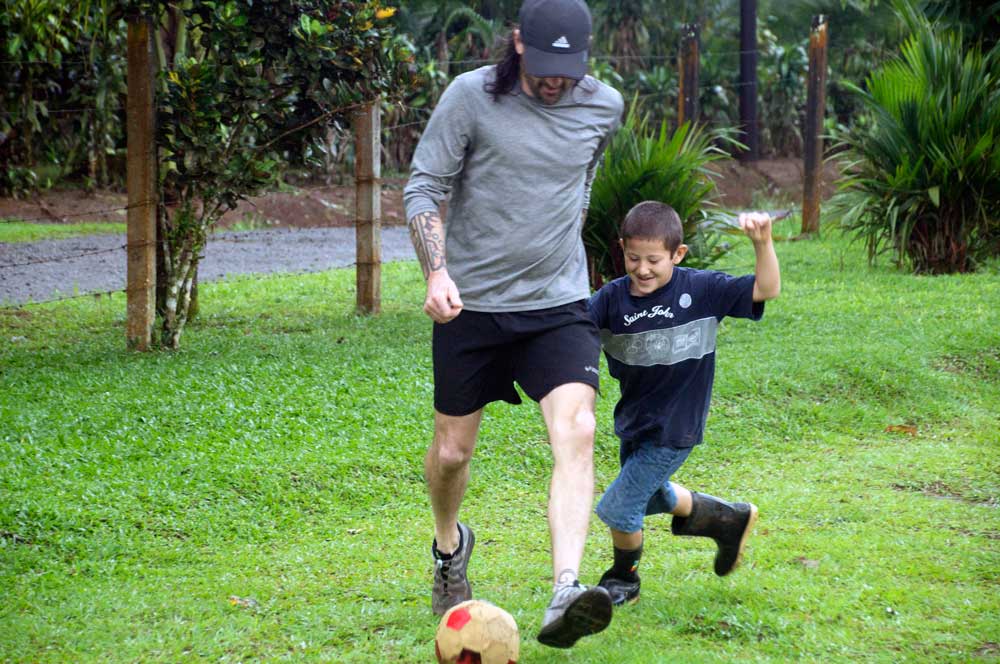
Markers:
(649, 264)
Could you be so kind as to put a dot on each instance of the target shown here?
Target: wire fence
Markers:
(410, 126)
(403, 108)
(595, 56)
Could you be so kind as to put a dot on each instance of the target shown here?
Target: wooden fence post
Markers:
(368, 206)
(812, 138)
(687, 106)
(748, 79)
(140, 291)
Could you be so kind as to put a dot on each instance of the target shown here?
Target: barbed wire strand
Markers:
(597, 56)
(62, 259)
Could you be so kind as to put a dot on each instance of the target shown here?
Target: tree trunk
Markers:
(178, 300)
(180, 263)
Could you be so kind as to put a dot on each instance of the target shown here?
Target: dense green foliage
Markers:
(922, 179)
(645, 163)
(259, 495)
(62, 86)
(63, 97)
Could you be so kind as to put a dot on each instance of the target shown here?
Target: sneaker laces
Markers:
(444, 570)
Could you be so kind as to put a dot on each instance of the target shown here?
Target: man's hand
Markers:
(757, 226)
(442, 302)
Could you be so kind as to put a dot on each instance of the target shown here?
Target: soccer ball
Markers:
(477, 632)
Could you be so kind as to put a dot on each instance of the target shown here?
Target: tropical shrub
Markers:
(922, 178)
(642, 163)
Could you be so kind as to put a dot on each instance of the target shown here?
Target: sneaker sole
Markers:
(628, 601)
(746, 534)
(627, 598)
(589, 614)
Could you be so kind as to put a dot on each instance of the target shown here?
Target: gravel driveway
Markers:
(53, 269)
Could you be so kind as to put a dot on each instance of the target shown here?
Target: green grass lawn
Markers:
(24, 231)
(277, 457)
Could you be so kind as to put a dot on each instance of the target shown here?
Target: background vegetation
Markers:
(63, 96)
(921, 180)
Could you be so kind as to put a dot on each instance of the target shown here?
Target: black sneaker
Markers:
(575, 611)
(451, 585)
(621, 591)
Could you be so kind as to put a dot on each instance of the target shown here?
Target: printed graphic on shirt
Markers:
(658, 310)
(666, 346)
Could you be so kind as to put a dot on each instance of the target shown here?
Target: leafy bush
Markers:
(643, 164)
(922, 179)
(252, 91)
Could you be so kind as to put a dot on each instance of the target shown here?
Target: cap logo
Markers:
(562, 42)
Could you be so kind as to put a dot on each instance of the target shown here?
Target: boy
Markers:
(658, 328)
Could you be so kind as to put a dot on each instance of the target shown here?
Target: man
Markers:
(516, 146)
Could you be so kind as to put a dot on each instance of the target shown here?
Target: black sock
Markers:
(626, 564)
(447, 556)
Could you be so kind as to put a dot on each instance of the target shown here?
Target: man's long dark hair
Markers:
(507, 72)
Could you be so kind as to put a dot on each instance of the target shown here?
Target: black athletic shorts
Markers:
(478, 356)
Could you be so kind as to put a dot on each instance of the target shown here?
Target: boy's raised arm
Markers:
(757, 226)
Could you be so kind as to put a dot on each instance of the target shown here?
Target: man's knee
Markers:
(451, 451)
(577, 425)
(585, 425)
(447, 455)
(454, 441)
(574, 431)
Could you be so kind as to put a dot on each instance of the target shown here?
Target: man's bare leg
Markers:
(446, 468)
(569, 415)
(575, 611)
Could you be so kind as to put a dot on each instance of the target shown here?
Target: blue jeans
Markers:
(642, 487)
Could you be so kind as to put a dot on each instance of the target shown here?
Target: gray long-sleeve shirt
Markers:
(518, 173)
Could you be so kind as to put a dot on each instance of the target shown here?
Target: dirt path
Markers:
(54, 269)
(309, 229)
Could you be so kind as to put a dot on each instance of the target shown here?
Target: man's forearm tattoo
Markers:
(427, 235)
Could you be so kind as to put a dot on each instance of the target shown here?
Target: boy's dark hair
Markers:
(652, 220)
(507, 73)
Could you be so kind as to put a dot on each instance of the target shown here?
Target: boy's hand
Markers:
(767, 276)
(757, 226)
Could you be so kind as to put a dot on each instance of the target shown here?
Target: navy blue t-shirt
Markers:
(661, 348)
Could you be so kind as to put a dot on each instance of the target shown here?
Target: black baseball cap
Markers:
(556, 37)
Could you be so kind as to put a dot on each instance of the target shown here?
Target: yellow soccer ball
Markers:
(477, 632)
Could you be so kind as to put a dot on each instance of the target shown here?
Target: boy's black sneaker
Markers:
(621, 590)
(451, 584)
(575, 611)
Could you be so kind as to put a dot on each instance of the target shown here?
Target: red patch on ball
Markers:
(459, 619)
